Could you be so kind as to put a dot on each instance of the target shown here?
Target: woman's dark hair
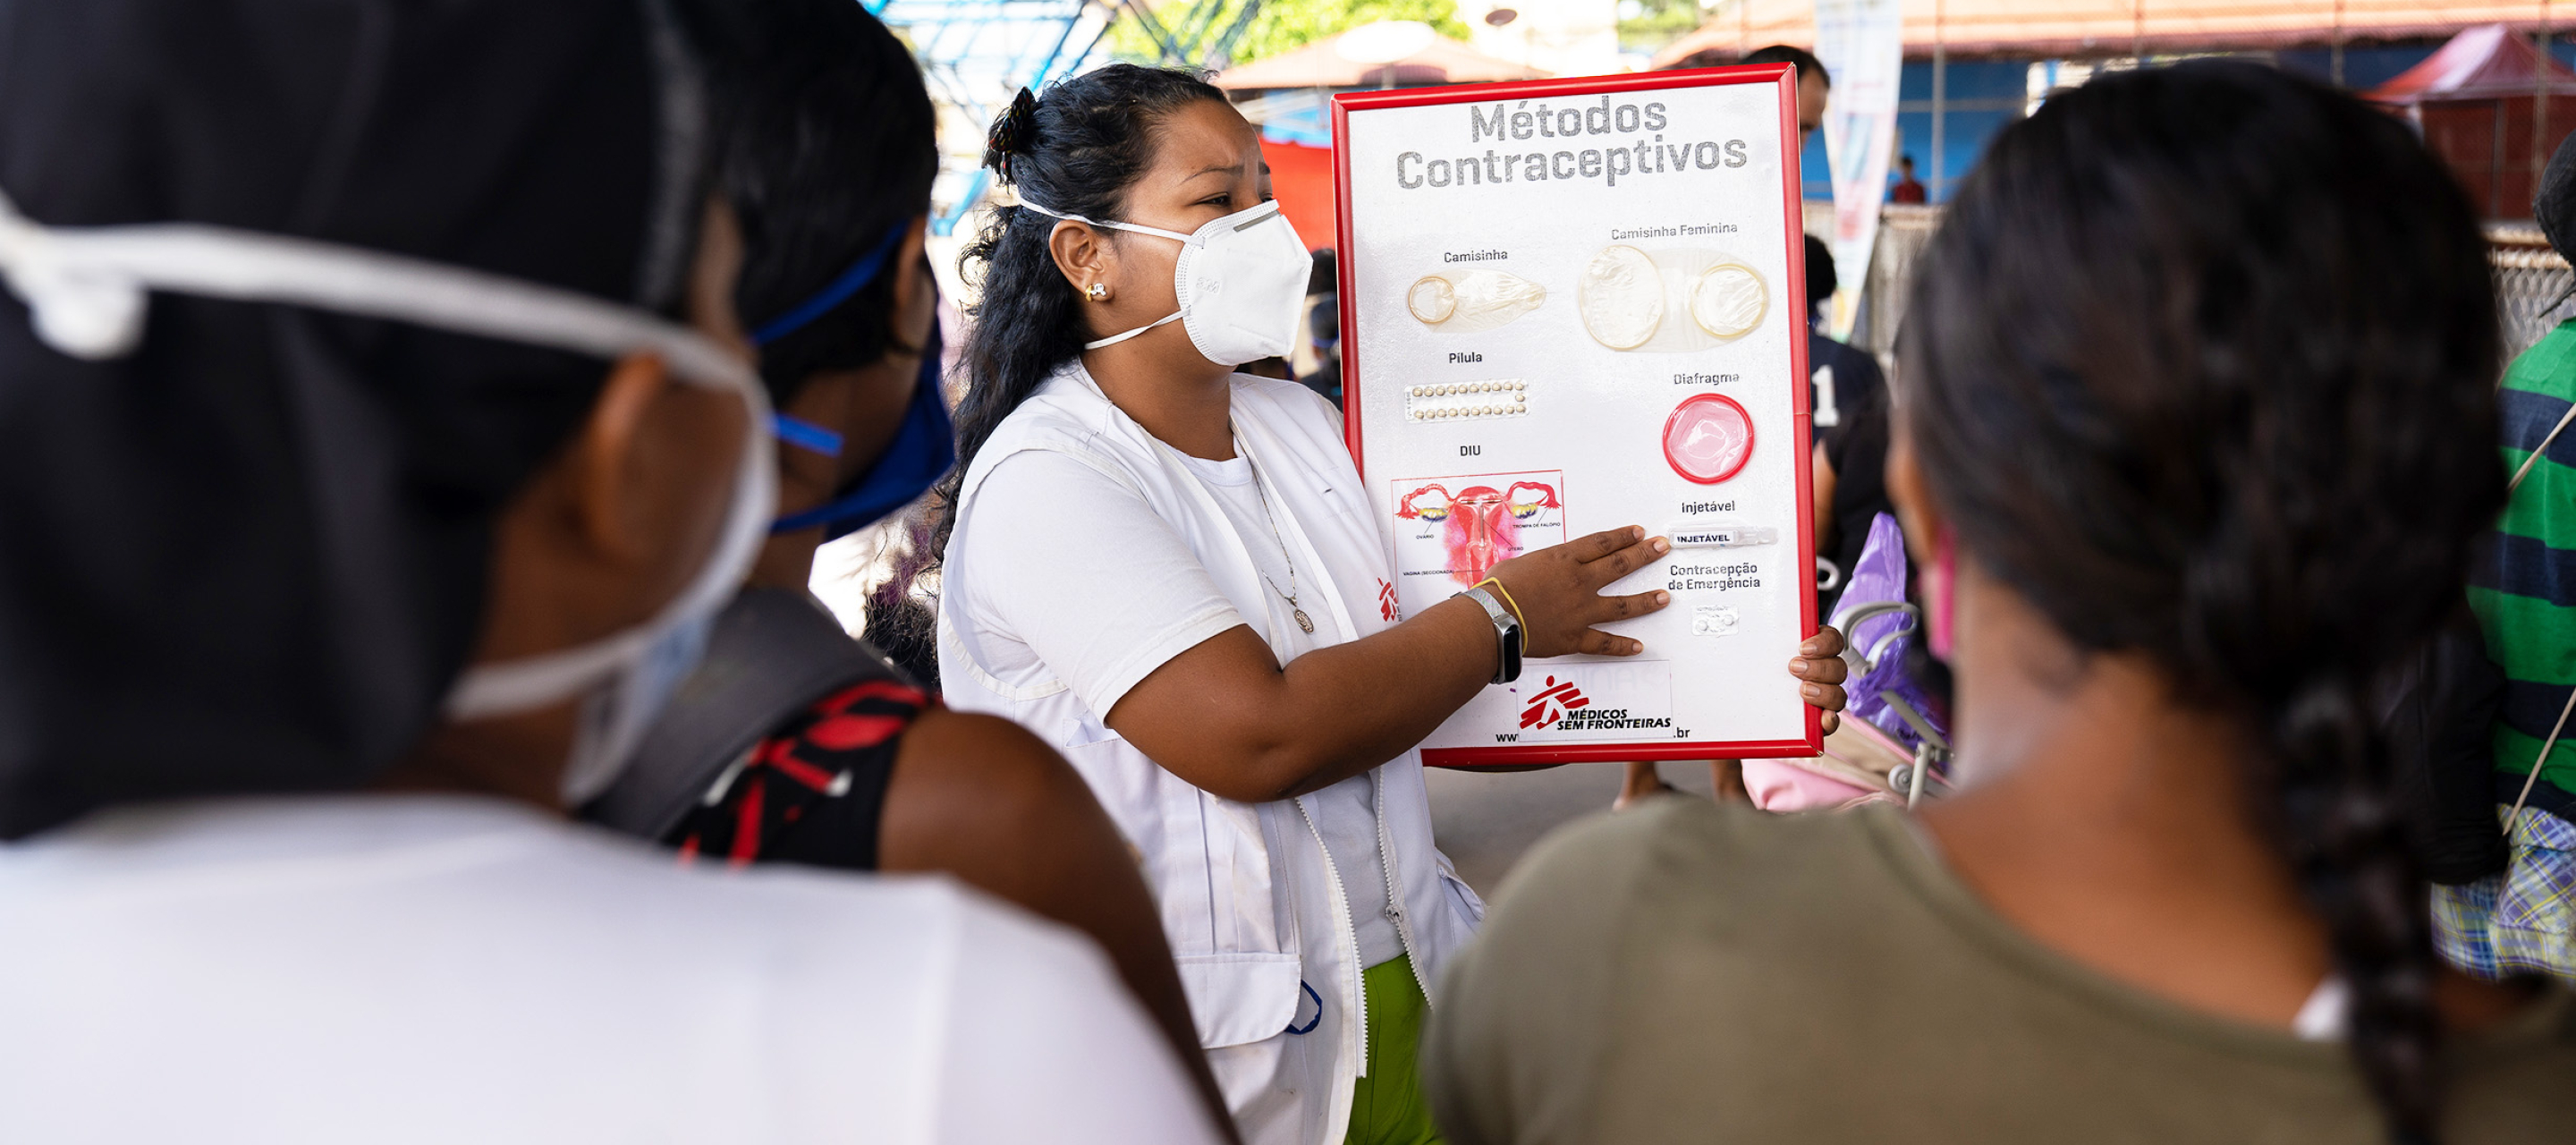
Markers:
(2201, 363)
(1075, 151)
(829, 146)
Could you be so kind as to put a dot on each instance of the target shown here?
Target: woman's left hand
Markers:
(1820, 665)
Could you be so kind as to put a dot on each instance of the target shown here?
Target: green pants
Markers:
(1387, 1107)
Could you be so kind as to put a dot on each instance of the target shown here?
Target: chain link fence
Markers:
(2532, 280)
(2531, 283)
(1903, 230)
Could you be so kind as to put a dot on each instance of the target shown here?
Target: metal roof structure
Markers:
(1322, 64)
(977, 54)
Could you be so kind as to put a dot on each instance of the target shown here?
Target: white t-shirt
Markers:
(1100, 597)
(446, 969)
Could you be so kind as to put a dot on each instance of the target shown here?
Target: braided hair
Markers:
(1077, 150)
(2201, 364)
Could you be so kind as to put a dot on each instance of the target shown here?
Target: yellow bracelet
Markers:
(1507, 599)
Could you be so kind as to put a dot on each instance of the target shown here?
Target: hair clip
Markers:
(1013, 131)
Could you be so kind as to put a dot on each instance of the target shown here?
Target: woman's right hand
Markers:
(1559, 588)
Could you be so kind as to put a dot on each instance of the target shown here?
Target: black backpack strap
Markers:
(772, 654)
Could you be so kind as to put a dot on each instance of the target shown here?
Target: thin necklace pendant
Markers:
(1304, 623)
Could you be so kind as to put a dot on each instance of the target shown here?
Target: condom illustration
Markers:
(1461, 303)
(1621, 297)
(1669, 300)
(1728, 300)
(1708, 438)
(1480, 526)
(1432, 300)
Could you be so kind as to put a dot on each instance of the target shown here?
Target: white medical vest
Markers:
(1249, 897)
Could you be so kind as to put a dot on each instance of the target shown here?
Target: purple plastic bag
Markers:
(1879, 576)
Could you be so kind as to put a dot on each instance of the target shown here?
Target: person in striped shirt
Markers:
(2522, 919)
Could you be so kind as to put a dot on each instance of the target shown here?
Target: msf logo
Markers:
(1386, 605)
(1550, 705)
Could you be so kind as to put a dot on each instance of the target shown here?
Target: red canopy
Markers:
(2478, 103)
(2486, 62)
(2095, 29)
(1301, 178)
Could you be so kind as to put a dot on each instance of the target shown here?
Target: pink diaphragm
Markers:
(1708, 438)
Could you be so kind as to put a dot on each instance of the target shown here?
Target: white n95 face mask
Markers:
(1241, 281)
(88, 287)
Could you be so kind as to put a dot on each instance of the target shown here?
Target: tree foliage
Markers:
(1646, 25)
(1280, 26)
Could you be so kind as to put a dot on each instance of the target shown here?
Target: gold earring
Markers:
(1097, 292)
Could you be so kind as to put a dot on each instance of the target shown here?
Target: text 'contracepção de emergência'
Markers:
(1530, 120)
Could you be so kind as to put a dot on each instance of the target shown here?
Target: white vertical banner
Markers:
(1862, 45)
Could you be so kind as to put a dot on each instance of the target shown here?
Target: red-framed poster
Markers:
(1571, 305)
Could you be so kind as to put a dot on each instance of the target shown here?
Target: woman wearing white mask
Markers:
(364, 493)
(1141, 539)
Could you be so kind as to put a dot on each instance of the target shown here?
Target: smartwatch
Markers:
(1507, 635)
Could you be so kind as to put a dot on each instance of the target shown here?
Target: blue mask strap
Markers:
(838, 291)
(805, 435)
(923, 450)
(796, 431)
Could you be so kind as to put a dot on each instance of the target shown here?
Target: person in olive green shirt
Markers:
(2196, 431)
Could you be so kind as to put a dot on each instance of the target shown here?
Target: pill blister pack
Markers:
(1447, 401)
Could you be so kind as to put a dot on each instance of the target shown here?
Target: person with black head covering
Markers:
(358, 508)
(793, 742)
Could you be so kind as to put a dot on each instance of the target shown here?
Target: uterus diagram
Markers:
(1486, 520)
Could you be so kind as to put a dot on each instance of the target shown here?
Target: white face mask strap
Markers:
(1115, 339)
(534, 682)
(87, 289)
(1106, 226)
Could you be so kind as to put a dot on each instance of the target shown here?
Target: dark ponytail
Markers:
(1075, 151)
(2202, 363)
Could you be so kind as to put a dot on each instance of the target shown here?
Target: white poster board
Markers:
(1571, 305)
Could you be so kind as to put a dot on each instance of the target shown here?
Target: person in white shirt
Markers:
(1169, 570)
(336, 561)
